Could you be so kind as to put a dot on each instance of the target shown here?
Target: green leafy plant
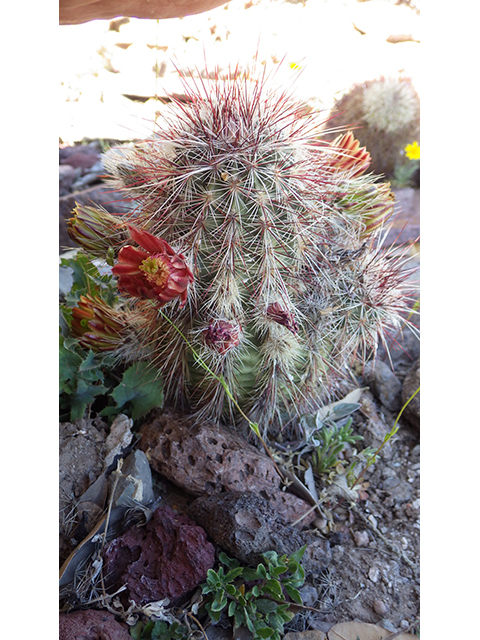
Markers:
(159, 630)
(82, 378)
(256, 598)
(87, 375)
(325, 435)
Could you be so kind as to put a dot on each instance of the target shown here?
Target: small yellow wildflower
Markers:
(412, 151)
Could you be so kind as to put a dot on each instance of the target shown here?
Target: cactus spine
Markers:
(278, 230)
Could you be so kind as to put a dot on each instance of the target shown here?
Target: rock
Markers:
(204, 458)
(404, 350)
(79, 156)
(245, 525)
(379, 607)
(82, 449)
(305, 635)
(410, 385)
(94, 175)
(405, 222)
(78, 11)
(361, 538)
(309, 595)
(384, 384)
(92, 625)
(216, 632)
(167, 558)
(66, 177)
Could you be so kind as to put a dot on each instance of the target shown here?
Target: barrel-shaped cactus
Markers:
(385, 114)
(250, 257)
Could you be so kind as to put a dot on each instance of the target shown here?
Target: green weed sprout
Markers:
(331, 441)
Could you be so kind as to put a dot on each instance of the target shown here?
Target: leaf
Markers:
(233, 573)
(293, 593)
(84, 395)
(231, 589)
(229, 562)
(69, 362)
(274, 588)
(351, 398)
(253, 574)
(344, 409)
(362, 630)
(231, 608)
(264, 632)
(310, 483)
(220, 601)
(266, 606)
(140, 386)
(297, 556)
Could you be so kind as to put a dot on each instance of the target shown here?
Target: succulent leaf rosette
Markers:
(252, 247)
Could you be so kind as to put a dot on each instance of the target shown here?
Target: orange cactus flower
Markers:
(97, 325)
(155, 271)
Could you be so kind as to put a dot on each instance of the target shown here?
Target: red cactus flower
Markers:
(155, 271)
(222, 336)
(282, 316)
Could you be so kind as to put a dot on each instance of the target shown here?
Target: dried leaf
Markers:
(351, 398)
(362, 631)
(310, 483)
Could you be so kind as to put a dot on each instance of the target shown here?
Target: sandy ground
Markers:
(321, 46)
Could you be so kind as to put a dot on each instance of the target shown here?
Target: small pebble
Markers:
(404, 624)
(379, 607)
(361, 538)
(404, 542)
(320, 523)
(374, 573)
(372, 520)
(386, 624)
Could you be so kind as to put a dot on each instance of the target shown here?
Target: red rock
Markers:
(204, 458)
(91, 625)
(167, 558)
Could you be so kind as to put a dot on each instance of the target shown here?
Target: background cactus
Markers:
(385, 114)
(279, 231)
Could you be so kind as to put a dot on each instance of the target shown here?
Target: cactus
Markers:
(263, 240)
(385, 114)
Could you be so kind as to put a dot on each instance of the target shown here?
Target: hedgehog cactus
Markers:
(386, 116)
(256, 245)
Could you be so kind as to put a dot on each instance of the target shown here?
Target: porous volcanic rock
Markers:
(91, 625)
(205, 458)
(165, 559)
(244, 524)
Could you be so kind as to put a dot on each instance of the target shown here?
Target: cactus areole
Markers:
(258, 241)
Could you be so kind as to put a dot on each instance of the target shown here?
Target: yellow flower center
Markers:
(155, 270)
